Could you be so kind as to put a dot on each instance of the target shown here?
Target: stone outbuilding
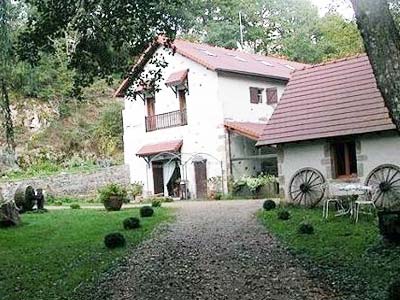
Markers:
(332, 125)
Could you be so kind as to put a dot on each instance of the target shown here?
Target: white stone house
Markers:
(200, 126)
(332, 125)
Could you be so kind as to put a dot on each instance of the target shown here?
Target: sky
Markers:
(344, 7)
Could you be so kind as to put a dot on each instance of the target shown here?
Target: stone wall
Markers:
(79, 185)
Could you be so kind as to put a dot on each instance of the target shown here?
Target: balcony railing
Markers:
(166, 120)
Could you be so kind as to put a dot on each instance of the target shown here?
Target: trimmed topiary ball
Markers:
(131, 223)
(146, 211)
(114, 240)
(306, 228)
(269, 205)
(283, 214)
(394, 291)
(75, 206)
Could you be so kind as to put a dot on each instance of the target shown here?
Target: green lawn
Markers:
(351, 255)
(51, 254)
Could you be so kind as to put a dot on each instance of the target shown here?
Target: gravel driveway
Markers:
(214, 250)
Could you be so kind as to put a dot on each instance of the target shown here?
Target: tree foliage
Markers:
(101, 35)
(292, 28)
(6, 62)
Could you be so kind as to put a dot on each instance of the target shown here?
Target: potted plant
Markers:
(389, 225)
(389, 221)
(113, 196)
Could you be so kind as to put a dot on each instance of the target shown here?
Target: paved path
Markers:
(214, 250)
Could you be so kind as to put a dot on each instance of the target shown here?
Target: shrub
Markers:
(112, 196)
(131, 223)
(253, 183)
(136, 189)
(156, 203)
(394, 291)
(58, 203)
(283, 214)
(269, 205)
(305, 228)
(146, 211)
(114, 240)
(109, 130)
(75, 206)
(218, 196)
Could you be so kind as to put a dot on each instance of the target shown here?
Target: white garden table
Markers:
(354, 189)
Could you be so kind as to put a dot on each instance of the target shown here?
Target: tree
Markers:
(382, 43)
(292, 28)
(97, 32)
(6, 61)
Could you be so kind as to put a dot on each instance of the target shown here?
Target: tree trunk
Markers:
(8, 123)
(382, 43)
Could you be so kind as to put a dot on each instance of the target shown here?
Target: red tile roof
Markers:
(225, 60)
(152, 149)
(221, 59)
(250, 130)
(177, 78)
(333, 99)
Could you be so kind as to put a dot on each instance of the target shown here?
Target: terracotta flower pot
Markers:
(389, 225)
(113, 203)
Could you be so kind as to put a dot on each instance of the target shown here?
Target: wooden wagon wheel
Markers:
(306, 187)
(385, 180)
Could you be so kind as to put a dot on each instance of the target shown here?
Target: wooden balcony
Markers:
(166, 120)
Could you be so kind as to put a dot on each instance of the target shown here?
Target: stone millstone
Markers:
(25, 198)
(9, 215)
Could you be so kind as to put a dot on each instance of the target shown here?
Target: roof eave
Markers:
(261, 143)
(252, 74)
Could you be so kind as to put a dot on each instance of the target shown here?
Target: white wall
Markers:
(212, 98)
(233, 91)
(373, 150)
(378, 149)
(298, 156)
(204, 132)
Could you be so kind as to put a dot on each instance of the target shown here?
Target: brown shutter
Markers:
(253, 95)
(272, 96)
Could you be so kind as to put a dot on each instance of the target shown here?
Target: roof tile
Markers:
(251, 130)
(333, 99)
(177, 78)
(167, 146)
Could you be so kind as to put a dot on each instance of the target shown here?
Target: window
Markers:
(345, 159)
(272, 96)
(255, 95)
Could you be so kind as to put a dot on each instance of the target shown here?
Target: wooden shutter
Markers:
(253, 95)
(272, 96)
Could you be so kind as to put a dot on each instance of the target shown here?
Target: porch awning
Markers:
(250, 130)
(167, 146)
(177, 78)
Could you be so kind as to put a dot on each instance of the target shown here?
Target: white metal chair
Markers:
(332, 196)
(365, 200)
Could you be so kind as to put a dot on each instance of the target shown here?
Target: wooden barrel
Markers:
(24, 198)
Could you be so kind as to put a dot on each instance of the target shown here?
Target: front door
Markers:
(200, 173)
(158, 178)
